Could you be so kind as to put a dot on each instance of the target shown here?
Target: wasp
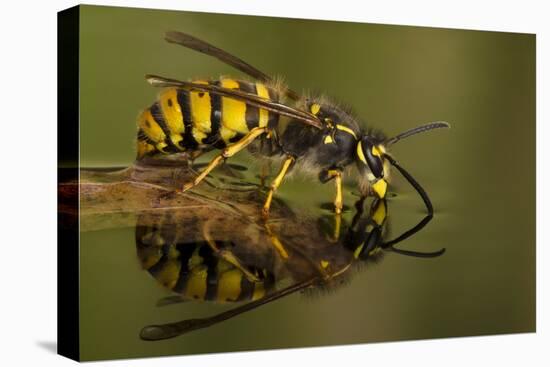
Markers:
(208, 261)
(306, 133)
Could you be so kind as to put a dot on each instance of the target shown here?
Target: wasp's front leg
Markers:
(336, 174)
(287, 163)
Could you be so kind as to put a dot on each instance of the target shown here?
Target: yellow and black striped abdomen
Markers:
(182, 120)
(194, 271)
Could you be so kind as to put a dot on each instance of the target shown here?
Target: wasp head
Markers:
(372, 165)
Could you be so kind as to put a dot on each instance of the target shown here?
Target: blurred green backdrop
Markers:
(480, 174)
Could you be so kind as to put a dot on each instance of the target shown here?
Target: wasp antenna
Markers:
(390, 244)
(416, 253)
(170, 330)
(418, 130)
(413, 183)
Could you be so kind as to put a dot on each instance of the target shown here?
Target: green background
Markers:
(480, 175)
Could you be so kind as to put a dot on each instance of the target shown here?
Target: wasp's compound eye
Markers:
(368, 153)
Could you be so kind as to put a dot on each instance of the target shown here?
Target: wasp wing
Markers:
(201, 46)
(250, 99)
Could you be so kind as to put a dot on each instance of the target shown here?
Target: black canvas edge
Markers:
(68, 36)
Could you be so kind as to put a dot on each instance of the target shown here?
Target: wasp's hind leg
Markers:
(276, 183)
(226, 153)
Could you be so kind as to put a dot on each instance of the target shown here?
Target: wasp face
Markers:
(371, 163)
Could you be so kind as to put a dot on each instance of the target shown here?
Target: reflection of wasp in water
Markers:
(227, 114)
(259, 263)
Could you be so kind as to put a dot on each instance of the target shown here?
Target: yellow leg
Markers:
(226, 153)
(337, 226)
(338, 201)
(276, 242)
(275, 184)
(227, 255)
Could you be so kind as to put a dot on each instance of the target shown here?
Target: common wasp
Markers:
(307, 133)
(208, 261)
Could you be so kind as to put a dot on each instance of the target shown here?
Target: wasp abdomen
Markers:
(185, 120)
(195, 272)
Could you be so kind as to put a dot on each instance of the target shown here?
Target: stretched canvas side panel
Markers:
(68, 22)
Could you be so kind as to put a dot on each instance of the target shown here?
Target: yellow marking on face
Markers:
(149, 126)
(346, 129)
(376, 152)
(168, 275)
(315, 108)
(324, 264)
(229, 285)
(259, 291)
(196, 283)
(360, 153)
(328, 140)
(379, 214)
(380, 187)
(201, 110)
(262, 91)
(233, 113)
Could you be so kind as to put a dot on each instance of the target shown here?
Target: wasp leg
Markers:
(337, 227)
(336, 174)
(276, 183)
(265, 172)
(276, 242)
(227, 255)
(338, 201)
(226, 153)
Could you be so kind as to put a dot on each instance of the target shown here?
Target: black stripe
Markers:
(184, 102)
(213, 138)
(157, 268)
(211, 262)
(185, 252)
(247, 290)
(247, 87)
(272, 94)
(143, 137)
(236, 138)
(272, 118)
(252, 112)
(159, 119)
